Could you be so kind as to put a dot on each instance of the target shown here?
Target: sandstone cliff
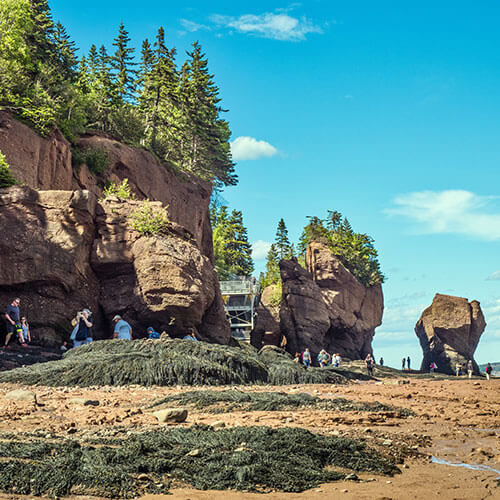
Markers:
(323, 307)
(45, 163)
(66, 251)
(449, 331)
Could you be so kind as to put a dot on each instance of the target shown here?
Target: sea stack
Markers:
(449, 331)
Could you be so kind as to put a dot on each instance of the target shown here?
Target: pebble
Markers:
(219, 424)
(21, 395)
(83, 402)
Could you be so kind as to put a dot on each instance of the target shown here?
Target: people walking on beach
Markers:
(81, 331)
(403, 363)
(408, 362)
(306, 358)
(26, 330)
(470, 368)
(337, 360)
(89, 338)
(13, 323)
(297, 357)
(458, 369)
(381, 362)
(433, 366)
(369, 361)
(122, 330)
(488, 371)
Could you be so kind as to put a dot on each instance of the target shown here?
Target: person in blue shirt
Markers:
(13, 322)
(152, 334)
(122, 331)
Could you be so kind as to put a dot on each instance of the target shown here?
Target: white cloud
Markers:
(260, 249)
(248, 148)
(192, 26)
(278, 26)
(495, 276)
(450, 211)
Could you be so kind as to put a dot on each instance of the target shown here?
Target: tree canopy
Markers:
(232, 251)
(355, 250)
(174, 112)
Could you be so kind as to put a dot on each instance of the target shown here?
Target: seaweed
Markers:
(234, 400)
(172, 362)
(244, 458)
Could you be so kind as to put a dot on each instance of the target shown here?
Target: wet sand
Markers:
(456, 420)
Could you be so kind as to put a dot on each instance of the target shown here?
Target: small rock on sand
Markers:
(21, 395)
(171, 415)
(83, 402)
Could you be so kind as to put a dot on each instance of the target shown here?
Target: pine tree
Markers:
(282, 243)
(272, 275)
(208, 151)
(66, 51)
(239, 249)
(123, 62)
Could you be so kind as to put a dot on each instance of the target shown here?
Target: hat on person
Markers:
(150, 329)
(87, 311)
(117, 317)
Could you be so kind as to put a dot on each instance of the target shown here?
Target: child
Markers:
(26, 330)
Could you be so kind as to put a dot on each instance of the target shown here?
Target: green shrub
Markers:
(6, 178)
(96, 159)
(122, 191)
(149, 220)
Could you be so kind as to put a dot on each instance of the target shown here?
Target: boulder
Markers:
(175, 415)
(323, 307)
(449, 331)
(21, 395)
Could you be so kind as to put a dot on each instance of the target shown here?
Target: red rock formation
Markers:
(45, 163)
(63, 251)
(449, 331)
(323, 307)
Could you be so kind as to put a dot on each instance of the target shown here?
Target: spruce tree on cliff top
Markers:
(355, 250)
(177, 115)
(232, 251)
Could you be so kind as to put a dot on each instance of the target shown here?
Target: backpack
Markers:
(81, 334)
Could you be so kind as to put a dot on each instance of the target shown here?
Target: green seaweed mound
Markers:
(244, 458)
(233, 400)
(171, 362)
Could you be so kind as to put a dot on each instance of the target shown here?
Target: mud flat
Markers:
(400, 423)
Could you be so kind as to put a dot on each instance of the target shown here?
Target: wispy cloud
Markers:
(495, 276)
(260, 249)
(193, 26)
(450, 211)
(249, 148)
(279, 25)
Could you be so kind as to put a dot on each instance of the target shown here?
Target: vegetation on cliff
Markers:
(6, 178)
(355, 250)
(175, 112)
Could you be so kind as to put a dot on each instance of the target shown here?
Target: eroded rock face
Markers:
(47, 238)
(325, 307)
(62, 251)
(45, 163)
(449, 331)
(165, 282)
(267, 330)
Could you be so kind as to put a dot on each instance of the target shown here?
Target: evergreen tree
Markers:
(272, 275)
(123, 63)
(66, 52)
(283, 246)
(208, 151)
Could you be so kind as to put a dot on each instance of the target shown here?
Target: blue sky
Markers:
(386, 113)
